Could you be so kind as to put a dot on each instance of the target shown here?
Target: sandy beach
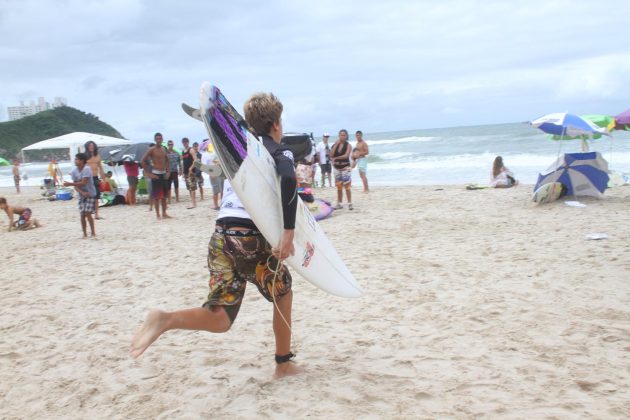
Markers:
(478, 304)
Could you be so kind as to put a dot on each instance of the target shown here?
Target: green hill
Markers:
(14, 135)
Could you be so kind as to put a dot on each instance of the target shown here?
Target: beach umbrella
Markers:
(622, 121)
(206, 146)
(131, 153)
(4, 162)
(565, 126)
(581, 173)
(606, 122)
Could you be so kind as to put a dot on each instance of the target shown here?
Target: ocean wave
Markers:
(412, 139)
(482, 161)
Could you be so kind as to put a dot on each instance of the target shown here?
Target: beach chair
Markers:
(48, 187)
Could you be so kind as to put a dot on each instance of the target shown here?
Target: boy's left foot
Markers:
(150, 330)
(287, 369)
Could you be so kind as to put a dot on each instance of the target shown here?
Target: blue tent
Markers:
(581, 173)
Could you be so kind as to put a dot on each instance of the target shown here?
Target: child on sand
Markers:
(84, 185)
(238, 253)
(25, 220)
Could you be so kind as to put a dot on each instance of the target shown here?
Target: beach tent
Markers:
(4, 162)
(581, 173)
(75, 141)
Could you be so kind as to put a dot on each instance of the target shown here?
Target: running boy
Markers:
(238, 254)
(84, 185)
(25, 220)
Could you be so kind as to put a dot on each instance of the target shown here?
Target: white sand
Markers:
(477, 304)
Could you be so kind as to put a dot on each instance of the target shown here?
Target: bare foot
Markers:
(154, 325)
(287, 369)
(166, 216)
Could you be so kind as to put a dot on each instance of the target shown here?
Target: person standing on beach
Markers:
(196, 171)
(340, 158)
(323, 156)
(132, 170)
(238, 253)
(16, 175)
(158, 175)
(188, 160)
(175, 170)
(216, 182)
(362, 150)
(96, 166)
(84, 185)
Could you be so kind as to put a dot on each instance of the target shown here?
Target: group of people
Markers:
(341, 158)
(237, 253)
(162, 168)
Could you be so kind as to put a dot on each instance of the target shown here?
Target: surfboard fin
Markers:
(192, 112)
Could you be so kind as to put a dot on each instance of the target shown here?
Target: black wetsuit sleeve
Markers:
(288, 188)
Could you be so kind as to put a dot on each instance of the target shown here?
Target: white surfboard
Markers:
(212, 170)
(257, 185)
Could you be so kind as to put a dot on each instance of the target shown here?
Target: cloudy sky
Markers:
(370, 65)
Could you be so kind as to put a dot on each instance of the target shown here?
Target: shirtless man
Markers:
(362, 151)
(96, 166)
(158, 174)
(25, 221)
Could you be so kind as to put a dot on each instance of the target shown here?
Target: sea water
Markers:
(455, 155)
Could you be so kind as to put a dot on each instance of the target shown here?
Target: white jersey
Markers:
(321, 149)
(209, 158)
(231, 206)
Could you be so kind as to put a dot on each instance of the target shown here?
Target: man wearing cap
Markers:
(323, 155)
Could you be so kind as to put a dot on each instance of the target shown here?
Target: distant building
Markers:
(21, 111)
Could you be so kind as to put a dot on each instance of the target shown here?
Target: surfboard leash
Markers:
(273, 295)
(273, 287)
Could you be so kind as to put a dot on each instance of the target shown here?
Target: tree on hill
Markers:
(14, 135)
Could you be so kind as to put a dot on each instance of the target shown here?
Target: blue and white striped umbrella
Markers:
(569, 125)
(581, 174)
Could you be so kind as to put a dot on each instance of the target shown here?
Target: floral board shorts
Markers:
(235, 258)
(343, 178)
(87, 204)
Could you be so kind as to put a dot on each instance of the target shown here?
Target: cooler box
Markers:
(63, 195)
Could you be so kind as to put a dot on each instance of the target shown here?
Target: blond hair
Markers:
(262, 110)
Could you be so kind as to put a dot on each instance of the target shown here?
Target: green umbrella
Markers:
(605, 121)
(4, 162)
